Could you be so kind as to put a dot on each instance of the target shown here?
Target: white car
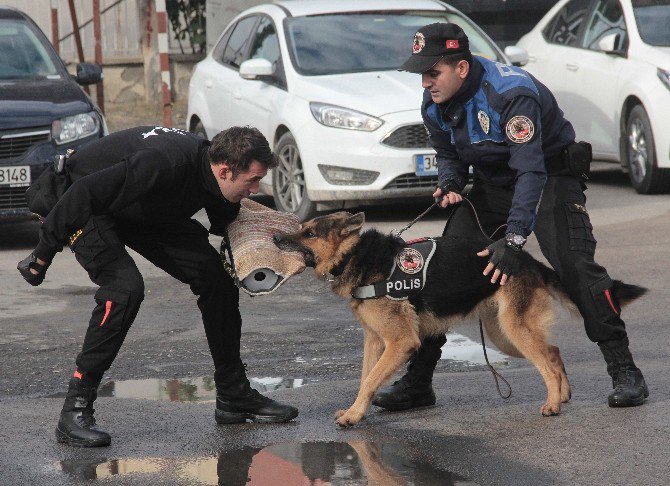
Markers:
(319, 79)
(608, 64)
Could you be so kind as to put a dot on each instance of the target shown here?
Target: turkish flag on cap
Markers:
(452, 44)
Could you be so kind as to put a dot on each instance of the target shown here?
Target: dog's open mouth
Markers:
(285, 243)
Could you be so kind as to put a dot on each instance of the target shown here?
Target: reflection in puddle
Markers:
(313, 463)
(464, 349)
(182, 390)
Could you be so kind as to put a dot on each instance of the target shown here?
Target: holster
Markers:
(577, 158)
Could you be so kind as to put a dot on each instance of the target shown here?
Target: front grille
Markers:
(411, 181)
(13, 198)
(15, 145)
(409, 136)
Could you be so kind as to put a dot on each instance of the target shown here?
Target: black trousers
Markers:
(184, 252)
(565, 234)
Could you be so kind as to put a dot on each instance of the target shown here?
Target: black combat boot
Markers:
(237, 402)
(415, 388)
(630, 388)
(76, 426)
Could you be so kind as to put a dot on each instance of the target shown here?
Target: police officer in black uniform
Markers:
(139, 188)
(528, 175)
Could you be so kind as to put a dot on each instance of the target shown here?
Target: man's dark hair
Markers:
(238, 146)
(453, 59)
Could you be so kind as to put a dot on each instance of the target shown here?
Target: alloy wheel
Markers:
(290, 178)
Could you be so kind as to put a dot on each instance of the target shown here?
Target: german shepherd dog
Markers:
(516, 316)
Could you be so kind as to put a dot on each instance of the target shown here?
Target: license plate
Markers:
(15, 176)
(426, 165)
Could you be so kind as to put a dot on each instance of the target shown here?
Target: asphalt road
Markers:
(157, 396)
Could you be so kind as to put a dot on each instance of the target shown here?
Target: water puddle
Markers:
(182, 389)
(463, 349)
(311, 463)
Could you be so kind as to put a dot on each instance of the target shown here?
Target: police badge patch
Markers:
(520, 129)
(419, 43)
(409, 261)
(484, 121)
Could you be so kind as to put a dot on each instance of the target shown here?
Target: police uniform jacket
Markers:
(146, 175)
(506, 125)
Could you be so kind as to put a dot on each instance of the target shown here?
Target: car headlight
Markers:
(664, 77)
(338, 117)
(74, 127)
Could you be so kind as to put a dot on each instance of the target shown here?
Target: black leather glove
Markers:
(505, 256)
(446, 187)
(28, 263)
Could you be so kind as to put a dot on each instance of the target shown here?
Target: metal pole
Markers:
(166, 89)
(54, 26)
(77, 36)
(99, 89)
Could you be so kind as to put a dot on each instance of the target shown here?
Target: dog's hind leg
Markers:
(556, 359)
(525, 316)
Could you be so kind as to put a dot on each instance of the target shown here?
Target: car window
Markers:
(566, 25)
(233, 54)
(265, 45)
(606, 18)
(22, 54)
(362, 41)
(652, 18)
(219, 49)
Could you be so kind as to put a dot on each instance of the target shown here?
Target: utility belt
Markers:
(574, 160)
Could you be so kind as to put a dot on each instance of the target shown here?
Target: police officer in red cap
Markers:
(529, 177)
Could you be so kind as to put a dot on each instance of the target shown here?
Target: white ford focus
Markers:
(319, 79)
(608, 64)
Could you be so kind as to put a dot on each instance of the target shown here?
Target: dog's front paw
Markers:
(347, 418)
(550, 410)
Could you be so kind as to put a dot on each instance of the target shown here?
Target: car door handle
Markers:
(572, 67)
(209, 84)
(237, 95)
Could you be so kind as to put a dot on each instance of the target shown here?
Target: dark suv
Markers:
(43, 112)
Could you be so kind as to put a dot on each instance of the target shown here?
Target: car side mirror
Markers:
(88, 73)
(256, 68)
(609, 44)
(518, 56)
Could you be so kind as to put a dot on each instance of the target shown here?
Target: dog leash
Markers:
(494, 372)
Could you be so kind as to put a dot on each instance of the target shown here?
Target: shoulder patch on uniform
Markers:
(484, 121)
(520, 129)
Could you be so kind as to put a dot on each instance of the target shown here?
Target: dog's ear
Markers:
(352, 224)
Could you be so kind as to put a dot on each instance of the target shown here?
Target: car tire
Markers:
(289, 187)
(199, 130)
(644, 174)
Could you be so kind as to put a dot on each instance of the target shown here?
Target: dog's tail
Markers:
(624, 293)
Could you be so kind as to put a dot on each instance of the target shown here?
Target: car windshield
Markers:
(653, 18)
(369, 41)
(22, 54)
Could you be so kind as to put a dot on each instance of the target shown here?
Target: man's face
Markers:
(234, 189)
(443, 81)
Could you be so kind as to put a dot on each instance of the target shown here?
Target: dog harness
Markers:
(407, 276)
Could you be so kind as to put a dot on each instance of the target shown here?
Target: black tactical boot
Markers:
(415, 388)
(76, 426)
(630, 388)
(237, 402)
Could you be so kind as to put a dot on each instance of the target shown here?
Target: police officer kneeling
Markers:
(140, 188)
(528, 174)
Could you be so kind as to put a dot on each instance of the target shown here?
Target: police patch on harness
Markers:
(412, 260)
(409, 260)
(520, 129)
